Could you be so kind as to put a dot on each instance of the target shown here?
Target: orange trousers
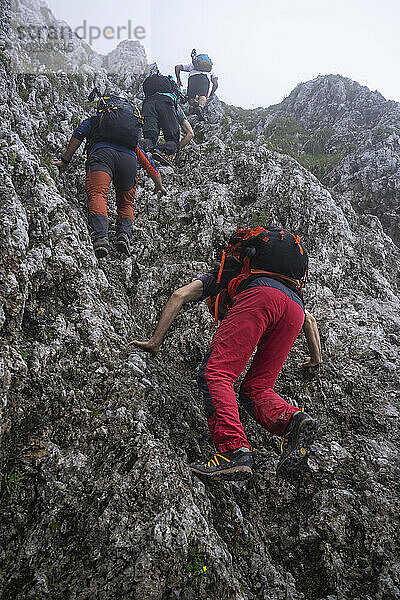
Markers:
(97, 185)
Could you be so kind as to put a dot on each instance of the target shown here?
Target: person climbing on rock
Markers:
(200, 76)
(256, 292)
(112, 155)
(161, 112)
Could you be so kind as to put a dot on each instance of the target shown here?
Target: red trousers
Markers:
(264, 317)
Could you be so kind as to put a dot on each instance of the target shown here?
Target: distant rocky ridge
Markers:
(348, 136)
(96, 498)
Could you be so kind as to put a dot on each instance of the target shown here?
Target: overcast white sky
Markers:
(261, 49)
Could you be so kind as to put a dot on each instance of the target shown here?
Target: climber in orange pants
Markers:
(108, 162)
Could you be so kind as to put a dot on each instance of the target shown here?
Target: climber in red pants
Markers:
(266, 312)
(265, 316)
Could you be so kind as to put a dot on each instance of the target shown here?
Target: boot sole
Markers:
(164, 162)
(296, 460)
(101, 252)
(122, 247)
(233, 474)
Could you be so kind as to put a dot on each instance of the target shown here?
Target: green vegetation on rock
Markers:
(195, 564)
(4, 59)
(46, 162)
(13, 482)
(309, 148)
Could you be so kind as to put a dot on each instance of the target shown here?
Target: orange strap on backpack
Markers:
(246, 271)
(221, 268)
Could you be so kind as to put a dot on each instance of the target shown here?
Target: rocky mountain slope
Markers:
(346, 135)
(97, 500)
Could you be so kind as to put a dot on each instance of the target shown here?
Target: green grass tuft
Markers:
(46, 162)
(13, 482)
(195, 564)
(4, 59)
(12, 158)
(44, 179)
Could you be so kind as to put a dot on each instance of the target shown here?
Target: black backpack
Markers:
(180, 96)
(270, 251)
(117, 121)
(157, 83)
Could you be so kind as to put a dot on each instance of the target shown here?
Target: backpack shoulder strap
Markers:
(137, 113)
(91, 120)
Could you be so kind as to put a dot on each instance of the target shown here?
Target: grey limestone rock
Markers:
(97, 500)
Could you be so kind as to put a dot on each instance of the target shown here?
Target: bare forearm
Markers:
(158, 183)
(73, 146)
(188, 293)
(168, 315)
(62, 164)
(214, 88)
(178, 70)
(186, 139)
(311, 332)
(157, 180)
(189, 133)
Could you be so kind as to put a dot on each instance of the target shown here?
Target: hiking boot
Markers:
(124, 244)
(100, 247)
(235, 465)
(199, 111)
(148, 145)
(162, 159)
(295, 447)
